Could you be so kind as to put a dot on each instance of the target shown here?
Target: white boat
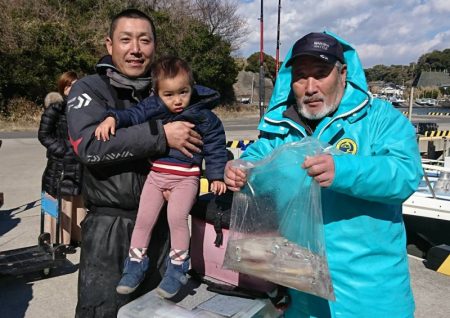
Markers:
(431, 102)
(426, 213)
(420, 101)
(396, 100)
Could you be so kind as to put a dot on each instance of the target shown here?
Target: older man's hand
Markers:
(234, 178)
(321, 168)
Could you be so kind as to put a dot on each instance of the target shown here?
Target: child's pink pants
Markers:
(183, 192)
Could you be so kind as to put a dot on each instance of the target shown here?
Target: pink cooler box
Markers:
(207, 259)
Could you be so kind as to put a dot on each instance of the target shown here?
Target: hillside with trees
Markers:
(404, 74)
(40, 39)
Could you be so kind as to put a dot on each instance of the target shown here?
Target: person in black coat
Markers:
(63, 169)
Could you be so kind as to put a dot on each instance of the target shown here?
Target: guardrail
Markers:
(235, 147)
(406, 113)
(437, 133)
(438, 114)
(241, 144)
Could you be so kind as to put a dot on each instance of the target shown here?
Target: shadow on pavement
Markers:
(17, 292)
(15, 295)
(7, 222)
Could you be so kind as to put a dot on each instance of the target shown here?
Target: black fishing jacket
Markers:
(115, 171)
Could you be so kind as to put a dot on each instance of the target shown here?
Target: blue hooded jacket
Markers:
(364, 232)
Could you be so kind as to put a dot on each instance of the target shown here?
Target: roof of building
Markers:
(427, 79)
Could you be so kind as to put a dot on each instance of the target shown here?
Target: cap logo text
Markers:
(321, 45)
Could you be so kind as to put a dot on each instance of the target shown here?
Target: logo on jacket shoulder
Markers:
(77, 102)
(347, 145)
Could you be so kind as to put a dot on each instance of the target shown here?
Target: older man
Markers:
(115, 171)
(322, 92)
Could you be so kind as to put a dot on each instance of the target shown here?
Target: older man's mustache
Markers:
(312, 99)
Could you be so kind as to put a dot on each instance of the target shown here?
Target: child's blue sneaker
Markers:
(133, 275)
(174, 278)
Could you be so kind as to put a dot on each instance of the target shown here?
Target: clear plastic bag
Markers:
(276, 227)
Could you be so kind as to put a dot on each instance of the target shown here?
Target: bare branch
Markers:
(222, 19)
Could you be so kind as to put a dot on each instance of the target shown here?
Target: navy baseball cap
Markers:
(320, 45)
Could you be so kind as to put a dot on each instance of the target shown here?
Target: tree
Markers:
(398, 74)
(208, 54)
(269, 64)
(40, 39)
(220, 16)
(434, 61)
(222, 20)
(211, 60)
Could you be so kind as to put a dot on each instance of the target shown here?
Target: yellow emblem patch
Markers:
(347, 145)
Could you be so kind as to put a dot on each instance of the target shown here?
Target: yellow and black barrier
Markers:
(437, 133)
(438, 259)
(241, 144)
(438, 114)
(204, 185)
(236, 147)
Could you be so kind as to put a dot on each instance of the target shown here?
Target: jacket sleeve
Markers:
(261, 147)
(214, 148)
(392, 172)
(47, 133)
(85, 110)
(138, 114)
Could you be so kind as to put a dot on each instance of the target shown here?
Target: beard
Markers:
(324, 111)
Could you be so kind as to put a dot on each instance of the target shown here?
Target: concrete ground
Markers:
(22, 162)
(21, 165)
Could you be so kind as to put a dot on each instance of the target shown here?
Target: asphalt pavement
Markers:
(22, 161)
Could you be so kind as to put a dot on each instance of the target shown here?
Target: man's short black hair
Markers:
(131, 14)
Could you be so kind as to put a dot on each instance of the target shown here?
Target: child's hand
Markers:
(106, 126)
(218, 187)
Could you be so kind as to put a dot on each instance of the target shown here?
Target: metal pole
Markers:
(261, 65)
(277, 59)
(444, 153)
(253, 87)
(411, 101)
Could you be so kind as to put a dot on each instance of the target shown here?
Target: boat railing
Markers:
(429, 201)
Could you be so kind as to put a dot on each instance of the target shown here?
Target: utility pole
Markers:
(411, 102)
(261, 65)
(277, 59)
(253, 86)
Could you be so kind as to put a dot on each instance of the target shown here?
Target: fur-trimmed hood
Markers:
(53, 98)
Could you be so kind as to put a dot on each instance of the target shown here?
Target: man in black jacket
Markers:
(115, 171)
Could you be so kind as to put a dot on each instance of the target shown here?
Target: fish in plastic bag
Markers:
(276, 226)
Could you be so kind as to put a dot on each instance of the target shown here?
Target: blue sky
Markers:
(383, 31)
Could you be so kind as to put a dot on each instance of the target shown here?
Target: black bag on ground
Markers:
(215, 210)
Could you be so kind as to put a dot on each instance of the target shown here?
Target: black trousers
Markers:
(105, 243)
